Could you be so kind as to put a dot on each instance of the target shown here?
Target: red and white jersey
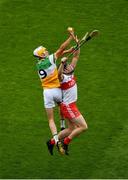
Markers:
(69, 89)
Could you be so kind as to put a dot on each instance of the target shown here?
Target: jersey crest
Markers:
(44, 64)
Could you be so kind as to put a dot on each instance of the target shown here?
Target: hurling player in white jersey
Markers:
(69, 111)
(47, 71)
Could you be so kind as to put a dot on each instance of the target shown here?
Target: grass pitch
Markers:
(101, 152)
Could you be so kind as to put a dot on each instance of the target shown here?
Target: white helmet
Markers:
(39, 51)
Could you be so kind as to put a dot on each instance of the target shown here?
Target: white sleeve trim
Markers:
(52, 59)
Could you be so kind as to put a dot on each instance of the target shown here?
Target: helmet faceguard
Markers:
(65, 67)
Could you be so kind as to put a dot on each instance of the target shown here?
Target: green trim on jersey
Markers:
(43, 64)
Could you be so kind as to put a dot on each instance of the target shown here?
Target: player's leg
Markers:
(67, 131)
(62, 120)
(81, 126)
(76, 118)
(49, 106)
(55, 139)
(62, 123)
(64, 133)
(58, 99)
(50, 115)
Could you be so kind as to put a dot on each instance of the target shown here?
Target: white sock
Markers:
(62, 123)
(55, 136)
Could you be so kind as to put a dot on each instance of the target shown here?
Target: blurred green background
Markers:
(102, 151)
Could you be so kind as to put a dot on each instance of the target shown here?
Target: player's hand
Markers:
(76, 39)
(64, 59)
(77, 52)
(71, 32)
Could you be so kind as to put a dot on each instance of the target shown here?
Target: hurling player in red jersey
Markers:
(69, 111)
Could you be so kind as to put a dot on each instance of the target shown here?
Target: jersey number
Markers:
(42, 73)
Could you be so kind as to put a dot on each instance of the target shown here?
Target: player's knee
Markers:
(84, 127)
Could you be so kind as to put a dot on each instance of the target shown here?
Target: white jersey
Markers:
(69, 89)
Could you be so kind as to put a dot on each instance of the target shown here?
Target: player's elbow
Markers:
(58, 54)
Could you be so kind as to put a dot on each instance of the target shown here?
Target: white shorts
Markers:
(70, 95)
(52, 96)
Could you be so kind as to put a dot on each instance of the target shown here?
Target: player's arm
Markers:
(68, 51)
(61, 49)
(61, 67)
(73, 63)
(75, 58)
